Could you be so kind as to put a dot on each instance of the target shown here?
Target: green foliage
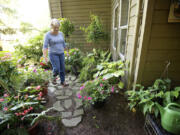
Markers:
(95, 91)
(90, 62)
(26, 27)
(73, 60)
(36, 76)
(9, 75)
(16, 131)
(33, 49)
(146, 98)
(95, 31)
(66, 26)
(9, 13)
(112, 71)
(17, 108)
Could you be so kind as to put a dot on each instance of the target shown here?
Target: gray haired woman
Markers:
(54, 43)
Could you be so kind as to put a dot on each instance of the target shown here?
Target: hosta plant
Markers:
(112, 71)
(90, 62)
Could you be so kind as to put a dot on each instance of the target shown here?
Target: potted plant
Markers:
(95, 92)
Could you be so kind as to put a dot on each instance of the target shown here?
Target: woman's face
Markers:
(55, 28)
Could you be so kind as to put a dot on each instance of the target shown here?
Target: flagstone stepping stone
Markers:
(51, 89)
(59, 86)
(72, 77)
(75, 88)
(57, 106)
(78, 112)
(77, 81)
(72, 122)
(67, 103)
(66, 114)
(78, 102)
(62, 97)
(51, 84)
(68, 93)
(58, 92)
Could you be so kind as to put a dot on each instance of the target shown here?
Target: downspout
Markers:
(50, 9)
(61, 13)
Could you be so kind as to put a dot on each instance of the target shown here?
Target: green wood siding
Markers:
(78, 11)
(164, 45)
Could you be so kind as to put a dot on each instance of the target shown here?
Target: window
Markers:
(115, 26)
(123, 25)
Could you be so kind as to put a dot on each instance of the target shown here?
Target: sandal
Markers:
(54, 81)
(64, 84)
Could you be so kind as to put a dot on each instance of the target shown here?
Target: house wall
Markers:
(163, 45)
(55, 8)
(78, 11)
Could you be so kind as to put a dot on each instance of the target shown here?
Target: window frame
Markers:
(123, 27)
(115, 28)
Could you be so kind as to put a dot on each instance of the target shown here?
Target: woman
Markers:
(54, 43)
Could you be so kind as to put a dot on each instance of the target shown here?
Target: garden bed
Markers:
(114, 118)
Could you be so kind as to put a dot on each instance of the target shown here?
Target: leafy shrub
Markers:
(90, 62)
(36, 76)
(95, 31)
(10, 78)
(73, 60)
(146, 99)
(33, 49)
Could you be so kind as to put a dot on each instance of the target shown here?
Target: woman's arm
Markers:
(45, 50)
(45, 47)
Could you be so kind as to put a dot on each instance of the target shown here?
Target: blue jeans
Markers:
(58, 64)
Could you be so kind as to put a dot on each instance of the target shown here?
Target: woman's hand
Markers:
(45, 55)
(46, 59)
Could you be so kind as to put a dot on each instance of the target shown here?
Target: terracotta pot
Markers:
(45, 91)
(33, 130)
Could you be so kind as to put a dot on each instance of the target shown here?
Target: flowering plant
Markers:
(42, 61)
(95, 91)
(44, 64)
(36, 76)
(21, 109)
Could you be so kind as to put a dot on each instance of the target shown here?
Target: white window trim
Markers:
(117, 5)
(122, 56)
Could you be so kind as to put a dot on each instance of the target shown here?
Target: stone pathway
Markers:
(67, 103)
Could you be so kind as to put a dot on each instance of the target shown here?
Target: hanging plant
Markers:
(95, 31)
(66, 26)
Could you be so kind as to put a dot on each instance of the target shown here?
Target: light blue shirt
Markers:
(54, 43)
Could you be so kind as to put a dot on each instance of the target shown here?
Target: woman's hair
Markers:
(55, 22)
